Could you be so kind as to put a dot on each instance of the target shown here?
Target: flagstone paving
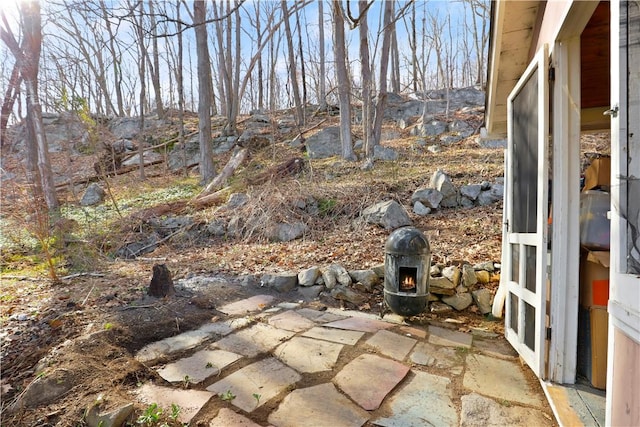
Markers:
(338, 368)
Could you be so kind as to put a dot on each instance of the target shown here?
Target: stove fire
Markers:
(408, 279)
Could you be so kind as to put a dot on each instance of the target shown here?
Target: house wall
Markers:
(625, 392)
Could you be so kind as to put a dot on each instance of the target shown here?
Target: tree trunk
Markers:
(143, 89)
(384, 63)
(293, 76)
(322, 91)
(343, 82)
(365, 65)
(155, 64)
(207, 170)
(10, 95)
(28, 58)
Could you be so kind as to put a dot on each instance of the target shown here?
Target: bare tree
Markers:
(293, 74)
(340, 53)
(322, 90)
(367, 83)
(154, 64)
(207, 169)
(27, 55)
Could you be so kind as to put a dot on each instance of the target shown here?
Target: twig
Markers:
(131, 307)
(74, 275)
(89, 293)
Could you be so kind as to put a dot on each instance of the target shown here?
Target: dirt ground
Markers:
(85, 328)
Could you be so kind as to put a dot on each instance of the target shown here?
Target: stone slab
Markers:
(291, 321)
(308, 355)
(481, 411)
(427, 354)
(412, 331)
(495, 347)
(391, 344)
(228, 418)
(501, 379)
(339, 336)
(442, 336)
(361, 324)
(250, 342)
(189, 401)
(198, 367)
(267, 378)
(320, 405)
(248, 305)
(319, 316)
(190, 339)
(369, 378)
(424, 400)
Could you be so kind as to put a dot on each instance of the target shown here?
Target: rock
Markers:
(434, 148)
(439, 307)
(237, 200)
(429, 197)
(450, 139)
(387, 135)
(452, 273)
(482, 298)
(161, 282)
(129, 127)
(281, 282)
(310, 292)
(384, 153)
(341, 274)
(184, 155)
(465, 202)
(325, 143)
(308, 277)
(389, 214)
(494, 194)
(45, 389)
(96, 417)
(469, 278)
(487, 265)
(485, 185)
(492, 143)
(345, 293)
(234, 228)
(420, 209)
(432, 128)
(471, 191)
(459, 301)
(148, 157)
(434, 270)
(285, 232)
(368, 278)
(441, 182)
(135, 249)
(93, 195)
(379, 270)
(441, 286)
(462, 128)
(329, 278)
(217, 227)
(171, 223)
(483, 276)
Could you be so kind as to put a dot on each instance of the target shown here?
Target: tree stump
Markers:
(161, 283)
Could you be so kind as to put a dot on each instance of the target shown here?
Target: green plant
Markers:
(186, 381)
(257, 397)
(327, 206)
(108, 326)
(175, 412)
(151, 415)
(209, 365)
(227, 396)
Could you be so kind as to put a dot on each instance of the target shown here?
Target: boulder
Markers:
(469, 278)
(459, 301)
(389, 215)
(308, 277)
(368, 278)
(471, 191)
(345, 293)
(285, 232)
(482, 298)
(441, 182)
(93, 195)
(493, 195)
(325, 143)
(429, 197)
(441, 286)
(420, 209)
(281, 282)
(452, 273)
(384, 153)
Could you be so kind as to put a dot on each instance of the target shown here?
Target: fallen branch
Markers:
(93, 178)
(74, 275)
(234, 162)
(213, 198)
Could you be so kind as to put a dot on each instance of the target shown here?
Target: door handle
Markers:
(613, 111)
